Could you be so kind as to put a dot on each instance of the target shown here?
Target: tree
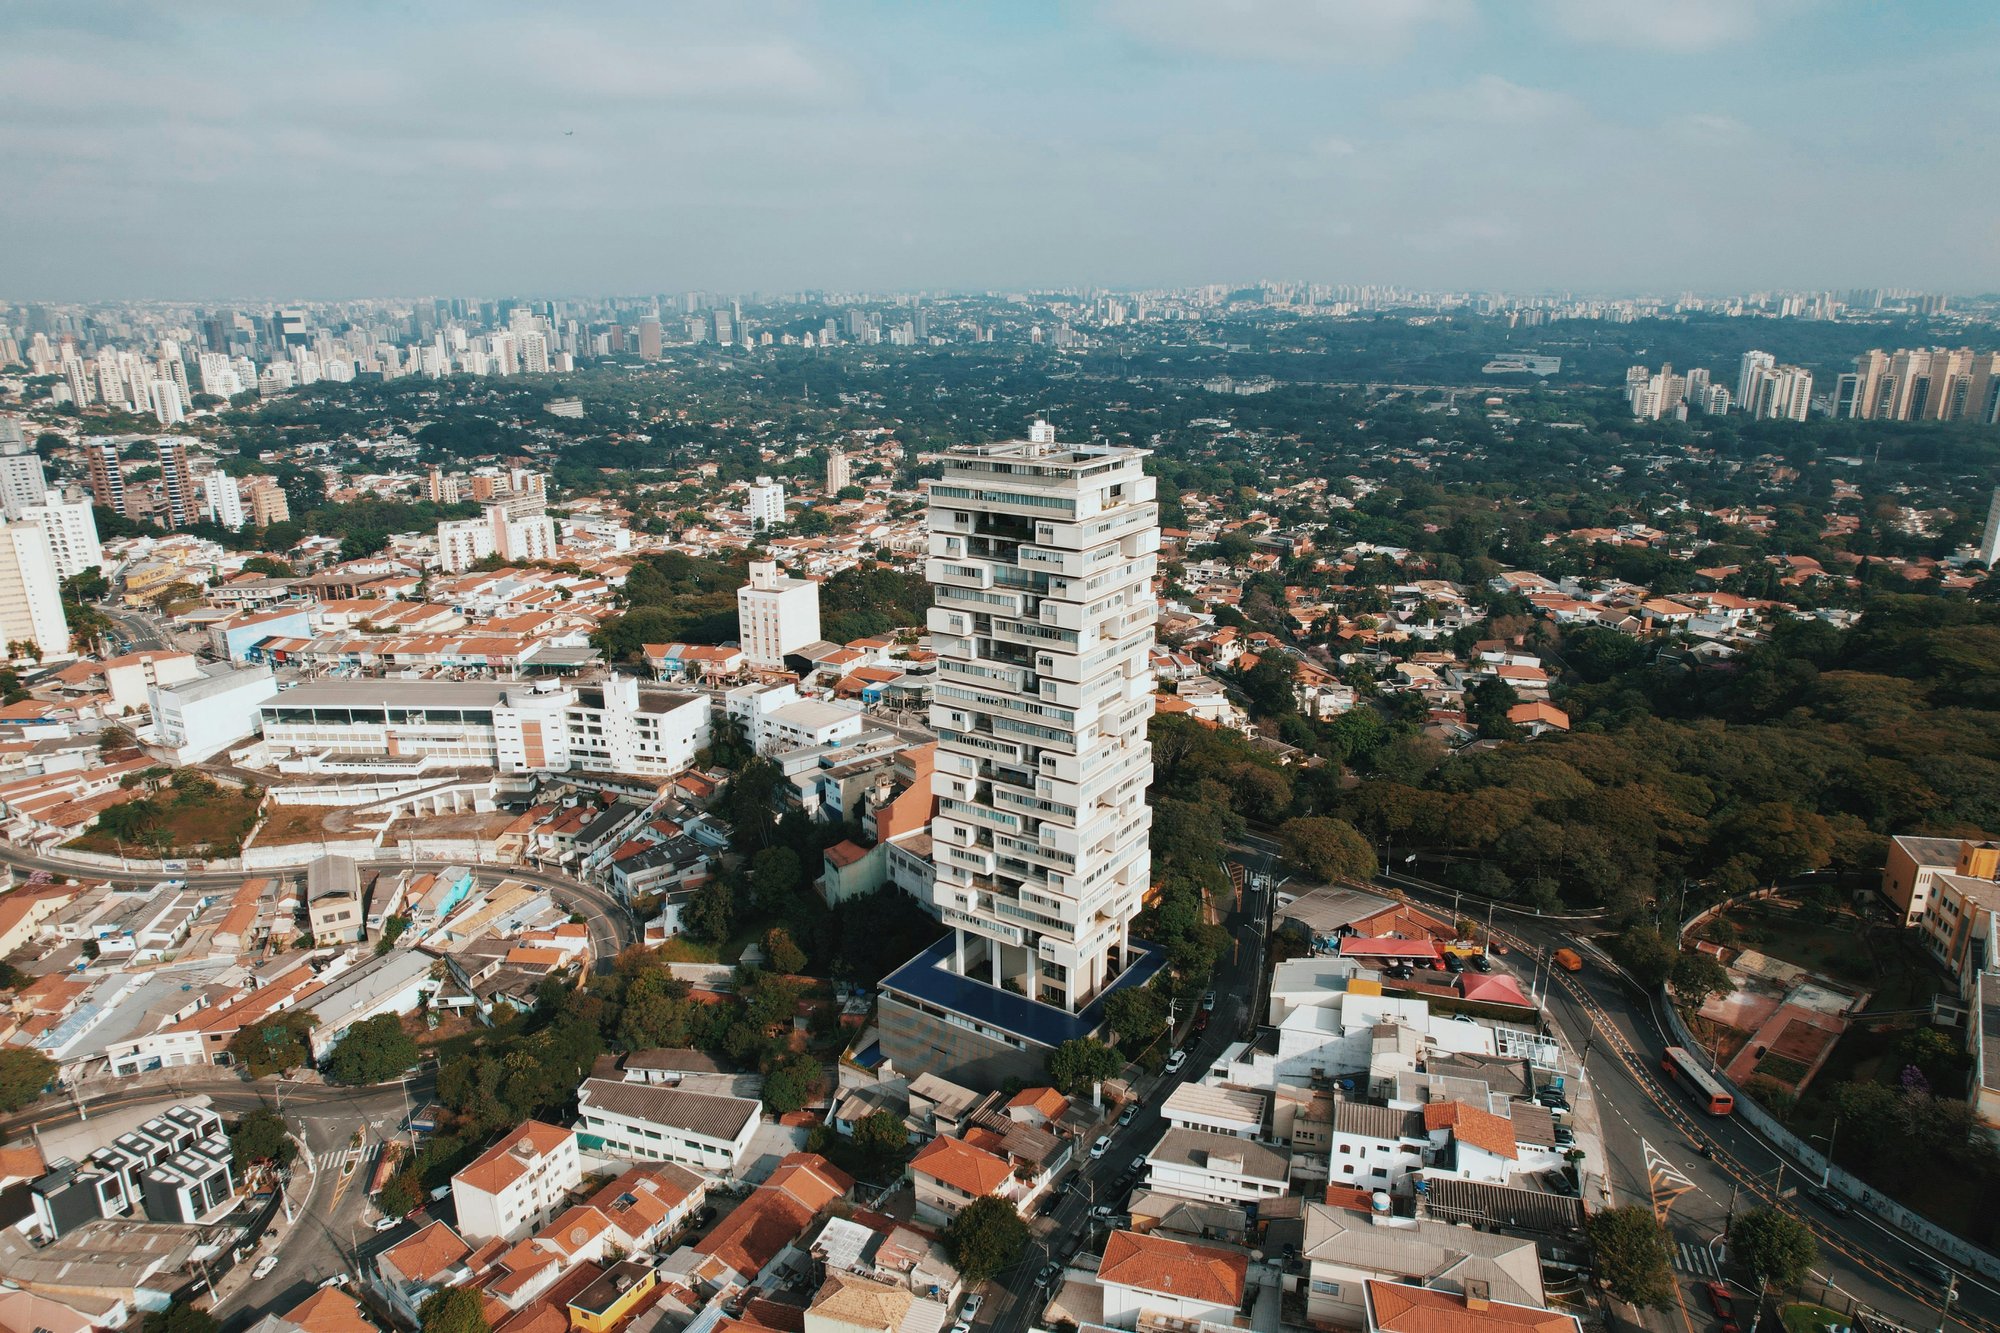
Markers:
(1777, 1246)
(181, 1317)
(1080, 1062)
(781, 953)
(1632, 1255)
(1697, 976)
(1646, 953)
(1486, 707)
(23, 1075)
(711, 913)
(260, 1136)
(373, 1050)
(774, 876)
(881, 1134)
(792, 1083)
(1329, 849)
(402, 1194)
(275, 1045)
(1137, 1014)
(986, 1237)
(453, 1310)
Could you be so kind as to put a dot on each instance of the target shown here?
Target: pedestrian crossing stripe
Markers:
(1697, 1259)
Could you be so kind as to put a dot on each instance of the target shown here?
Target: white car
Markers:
(1175, 1061)
(971, 1306)
(1097, 1148)
(337, 1280)
(388, 1223)
(264, 1267)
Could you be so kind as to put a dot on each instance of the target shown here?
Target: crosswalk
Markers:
(332, 1159)
(1696, 1259)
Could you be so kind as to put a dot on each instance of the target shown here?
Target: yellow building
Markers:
(601, 1305)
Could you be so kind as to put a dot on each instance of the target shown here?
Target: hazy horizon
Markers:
(1602, 147)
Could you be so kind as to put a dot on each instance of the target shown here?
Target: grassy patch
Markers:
(217, 820)
(1807, 1318)
(681, 949)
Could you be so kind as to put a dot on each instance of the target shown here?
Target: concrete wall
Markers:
(919, 1043)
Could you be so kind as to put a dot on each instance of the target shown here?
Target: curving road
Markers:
(1655, 1137)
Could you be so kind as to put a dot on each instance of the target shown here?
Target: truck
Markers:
(1567, 960)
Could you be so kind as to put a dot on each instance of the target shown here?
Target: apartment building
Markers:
(775, 615)
(518, 1184)
(1218, 1168)
(656, 1123)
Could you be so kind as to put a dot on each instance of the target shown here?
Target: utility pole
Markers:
(1826, 1172)
(1950, 1295)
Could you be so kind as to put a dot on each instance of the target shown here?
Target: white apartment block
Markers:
(518, 1184)
(775, 615)
(616, 725)
(72, 534)
(839, 472)
(1042, 564)
(21, 480)
(764, 505)
(463, 543)
(641, 1122)
(30, 593)
(224, 499)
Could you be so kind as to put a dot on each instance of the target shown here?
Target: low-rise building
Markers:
(1216, 1167)
(1160, 1275)
(648, 1122)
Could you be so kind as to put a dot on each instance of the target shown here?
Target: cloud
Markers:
(1489, 100)
(1289, 31)
(1674, 27)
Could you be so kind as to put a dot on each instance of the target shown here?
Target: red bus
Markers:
(1686, 1069)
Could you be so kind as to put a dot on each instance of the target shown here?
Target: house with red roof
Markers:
(1175, 1278)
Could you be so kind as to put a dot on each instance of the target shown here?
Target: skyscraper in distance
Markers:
(838, 472)
(104, 477)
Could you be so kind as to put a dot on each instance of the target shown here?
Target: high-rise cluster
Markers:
(1921, 384)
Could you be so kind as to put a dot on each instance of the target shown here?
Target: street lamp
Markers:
(1826, 1172)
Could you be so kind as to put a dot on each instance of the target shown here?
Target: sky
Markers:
(210, 150)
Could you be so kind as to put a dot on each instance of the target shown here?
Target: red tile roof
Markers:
(1469, 1124)
(1173, 1268)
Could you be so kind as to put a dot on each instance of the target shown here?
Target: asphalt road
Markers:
(1654, 1136)
(332, 1219)
(1013, 1301)
(142, 633)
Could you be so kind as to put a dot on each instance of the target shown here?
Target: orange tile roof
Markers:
(575, 1228)
(500, 1166)
(1050, 1103)
(1396, 1308)
(1173, 1268)
(329, 1311)
(962, 1166)
(1469, 1124)
(430, 1252)
(22, 1161)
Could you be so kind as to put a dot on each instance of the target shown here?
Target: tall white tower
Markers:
(1042, 563)
(1989, 542)
(31, 610)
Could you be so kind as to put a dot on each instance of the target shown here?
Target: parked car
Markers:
(962, 1326)
(337, 1280)
(264, 1267)
(1201, 1021)
(970, 1306)
(1481, 963)
(1453, 963)
(1828, 1200)
(1565, 1137)
(1175, 1061)
(388, 1223)
(1051, 1273)
(1718, 1300)
(1128, 1115)
(1050, 1202)
(1097, 1148)
(1208, 1001)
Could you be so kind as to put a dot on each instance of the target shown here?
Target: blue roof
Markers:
(929, 978)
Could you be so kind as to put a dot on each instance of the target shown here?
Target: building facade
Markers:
(775, 615)
(1042, 562)
(31, 612)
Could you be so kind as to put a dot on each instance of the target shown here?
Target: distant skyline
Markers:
(234, 151)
